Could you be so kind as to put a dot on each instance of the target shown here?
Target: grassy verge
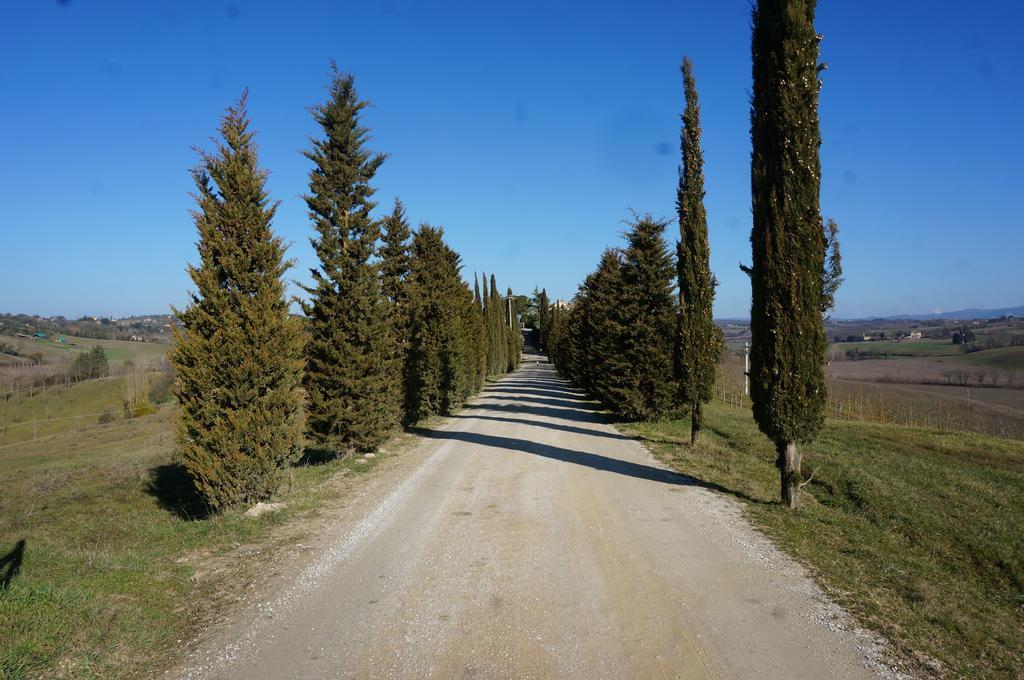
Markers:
(105, 573)
(919, 533)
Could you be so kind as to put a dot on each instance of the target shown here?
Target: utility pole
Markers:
(746, 369)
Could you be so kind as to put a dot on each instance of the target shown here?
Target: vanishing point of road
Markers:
(527, 538)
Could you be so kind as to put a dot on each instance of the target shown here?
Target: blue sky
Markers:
(527, 129)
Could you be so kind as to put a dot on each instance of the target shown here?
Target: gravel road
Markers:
(527, 539)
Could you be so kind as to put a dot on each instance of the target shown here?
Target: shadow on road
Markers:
(591, 460)
(554, 398)
(547, 424)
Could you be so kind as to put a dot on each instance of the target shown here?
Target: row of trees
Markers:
(640, 337)
(391, 334)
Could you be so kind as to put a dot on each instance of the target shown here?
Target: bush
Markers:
(90, 365)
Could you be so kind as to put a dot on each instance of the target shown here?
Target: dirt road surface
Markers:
(525, 538)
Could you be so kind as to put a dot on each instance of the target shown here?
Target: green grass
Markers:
(148, 353)
(106, 587)
(1003, 358)
(919, 533)
(61, 408)
(908, 348)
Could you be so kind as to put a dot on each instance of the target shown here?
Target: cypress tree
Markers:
(238, 353)
(647, 313)
(497, 341)
(788, 240)
(698, 341)
(480, 334)
(394, 271)
(352, 376)
(543, 319)
(515, 337)
(395, 255)
(603, 368)
(442, 362)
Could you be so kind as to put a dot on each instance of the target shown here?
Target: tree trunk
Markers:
(789, 470)
(696, 419)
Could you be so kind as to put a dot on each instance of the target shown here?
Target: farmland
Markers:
(52, 351)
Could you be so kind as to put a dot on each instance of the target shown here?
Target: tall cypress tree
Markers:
(480, 334)
(395, 255)
(788, 388)
(603, 367)
(647, 323)
(352, 377)
(543, 319)
(514, 342)
(698, 341)
(497, 340)
(441, 358)
(394, 272)
(238, 353)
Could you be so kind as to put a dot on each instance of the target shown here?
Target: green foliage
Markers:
(788, 239)
(353, 376)
(617, 340)
(445, 330)
(544, 320)
(90, 365)
(395, 256)
(585, 341)
(698, 340)
(238, 351)
(494, 319)
(647, 324)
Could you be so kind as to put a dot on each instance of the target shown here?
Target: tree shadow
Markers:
(174, 491)
(573, 414)
(549, 425)
(537, 392)
(10, 564)
(546, 401)
(592, 460)
(316, 455)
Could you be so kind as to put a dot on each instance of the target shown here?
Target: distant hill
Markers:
(972, 313)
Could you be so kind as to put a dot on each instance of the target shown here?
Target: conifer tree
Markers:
(515, 338)
(352, 377)
(394, 272)
(480, 334)
(238, 353)
(497, 341)
(788, 388)
(698, 341)
(543, 319)
(647, 323)
(603, 367)
(442, 363)
(395, 255)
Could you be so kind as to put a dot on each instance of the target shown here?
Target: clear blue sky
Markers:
(527, 129)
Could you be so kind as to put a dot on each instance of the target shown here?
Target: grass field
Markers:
(917, 348)
(1003, 358)
(60, 408)
(917, 532)
(114, 575)
(117, 351)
